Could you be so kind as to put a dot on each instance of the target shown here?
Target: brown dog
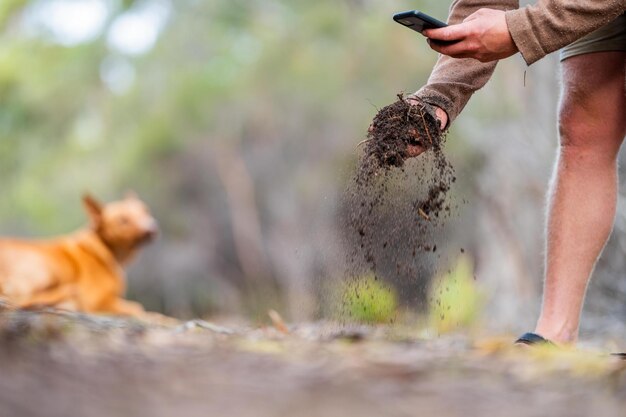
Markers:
(83, 271)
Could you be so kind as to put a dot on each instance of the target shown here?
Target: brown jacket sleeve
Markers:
(549, 25)
(537, 30)
(453, 81)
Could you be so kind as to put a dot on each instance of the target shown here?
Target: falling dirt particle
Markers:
(423, 214)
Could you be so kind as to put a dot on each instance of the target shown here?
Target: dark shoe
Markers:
(532, 339)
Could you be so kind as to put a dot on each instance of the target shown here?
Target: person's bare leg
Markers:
(583, 193)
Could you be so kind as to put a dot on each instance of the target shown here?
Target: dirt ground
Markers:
(55, 364)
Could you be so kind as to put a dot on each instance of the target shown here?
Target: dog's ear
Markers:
(131, 195)
(94, 209)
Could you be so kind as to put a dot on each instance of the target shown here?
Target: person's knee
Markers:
(573, 130)
(593, 103)
(585, 127)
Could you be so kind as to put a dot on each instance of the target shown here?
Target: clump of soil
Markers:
(398, 129)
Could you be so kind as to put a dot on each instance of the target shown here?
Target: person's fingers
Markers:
(414, 150)
(442, 116)
(440, 113)
(412, 100)
(449, 33)
(436, 47)
(462, 49)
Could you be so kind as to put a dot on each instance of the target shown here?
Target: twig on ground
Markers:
(202, 324)
(278, 322)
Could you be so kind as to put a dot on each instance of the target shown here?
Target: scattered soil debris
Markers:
(394, 206)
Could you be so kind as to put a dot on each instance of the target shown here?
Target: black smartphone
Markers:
(418, 21)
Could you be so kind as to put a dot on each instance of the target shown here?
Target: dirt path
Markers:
(54, 365)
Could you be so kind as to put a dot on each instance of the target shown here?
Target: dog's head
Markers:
(123, 225)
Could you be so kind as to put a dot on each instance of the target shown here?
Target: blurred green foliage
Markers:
(456, 299)
(367, 300)
(220, 71)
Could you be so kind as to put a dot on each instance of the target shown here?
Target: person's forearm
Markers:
(453, 81)
(549, 25)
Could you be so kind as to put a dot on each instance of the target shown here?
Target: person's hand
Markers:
(484, 35)
(442, 117)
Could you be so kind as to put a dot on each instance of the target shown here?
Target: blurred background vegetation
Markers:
(237, 121)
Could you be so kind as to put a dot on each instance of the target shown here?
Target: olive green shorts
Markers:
(611, 37)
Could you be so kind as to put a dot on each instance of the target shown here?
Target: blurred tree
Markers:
(279, 89)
